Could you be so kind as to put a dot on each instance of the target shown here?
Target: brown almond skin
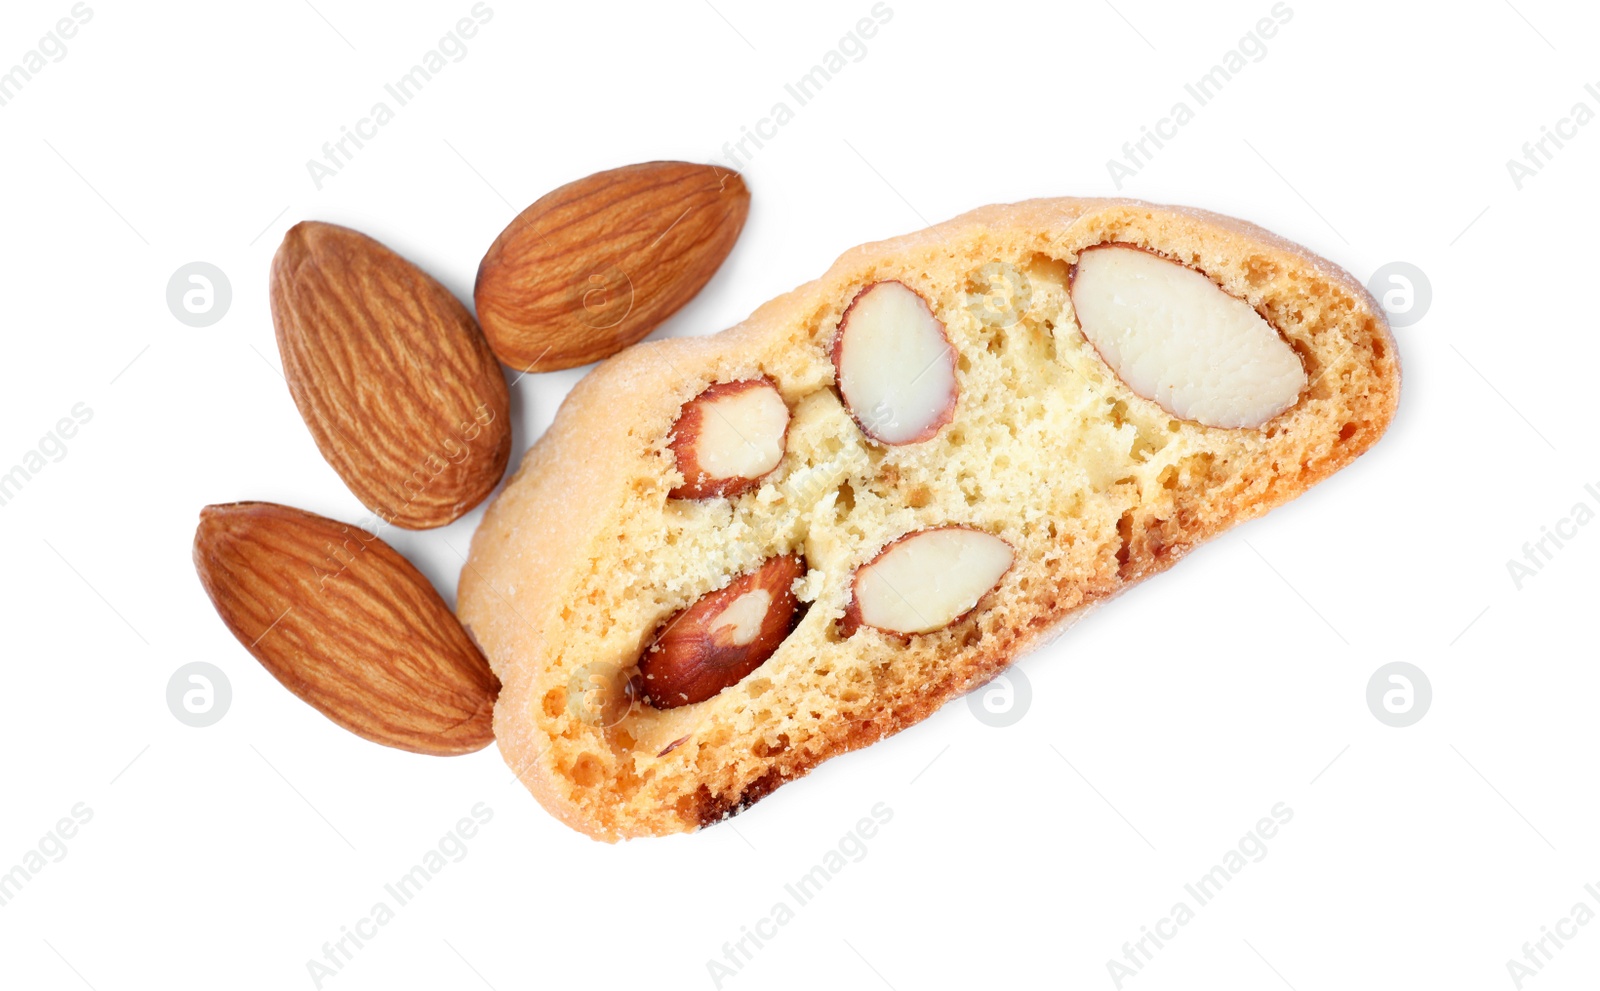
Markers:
(392, 375)
(350, 626)
(697, 484)
(688, 664)
(599, 263)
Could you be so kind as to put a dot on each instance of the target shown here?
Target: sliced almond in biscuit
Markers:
(728, 438)
(926, 580)
(1177, 339)
(895, 366)
(723, 636)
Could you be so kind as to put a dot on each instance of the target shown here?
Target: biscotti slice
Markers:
(733, 557)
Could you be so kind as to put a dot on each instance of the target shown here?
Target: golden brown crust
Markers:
(590, 477)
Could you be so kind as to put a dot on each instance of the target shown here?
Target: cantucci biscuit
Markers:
(733, 557)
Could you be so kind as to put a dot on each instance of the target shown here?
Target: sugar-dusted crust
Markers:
(583, 552)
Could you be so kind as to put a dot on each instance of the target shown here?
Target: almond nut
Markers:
(599, 263)
(728, 438)
(723, 636)
(1178, 339)
(895, 366)
(391, 374)
(926, 580)
(347, 624)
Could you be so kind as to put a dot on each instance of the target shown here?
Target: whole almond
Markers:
(392, 375)
(347, 624)
(599, 263)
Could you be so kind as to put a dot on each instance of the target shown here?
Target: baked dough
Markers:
(584, 555)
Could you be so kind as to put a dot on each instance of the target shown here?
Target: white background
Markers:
(1160, 729)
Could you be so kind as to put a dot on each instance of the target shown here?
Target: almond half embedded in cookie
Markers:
(724, 636)
(1176, 338)
(728, 438)
(895, 366)
(926, 580)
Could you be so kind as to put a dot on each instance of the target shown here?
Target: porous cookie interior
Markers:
(1093, 487)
